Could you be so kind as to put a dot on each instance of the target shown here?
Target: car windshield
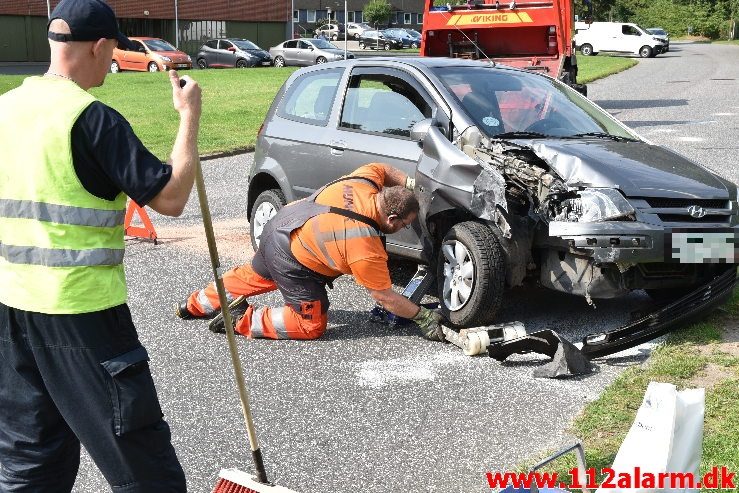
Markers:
(322, 44)
(659, 32)
(158, 45)
(413, 32)
(245, 44)
(510, 103)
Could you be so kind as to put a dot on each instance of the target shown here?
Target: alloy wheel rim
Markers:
(459, 275)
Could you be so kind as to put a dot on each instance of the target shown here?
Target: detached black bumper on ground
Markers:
(657, 323)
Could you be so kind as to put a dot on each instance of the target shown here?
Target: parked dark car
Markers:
(660, 33)
(232, 52)
(521, 180)
(401, 34)
(415, 37)
(306, 52)
(378, 40)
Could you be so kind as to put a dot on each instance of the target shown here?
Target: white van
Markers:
(619, 37)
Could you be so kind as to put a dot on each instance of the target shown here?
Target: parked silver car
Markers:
(306, 52)
(355, 29)
(521, 180)
(331, 31)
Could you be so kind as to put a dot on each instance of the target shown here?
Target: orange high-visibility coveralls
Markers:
(323, 248)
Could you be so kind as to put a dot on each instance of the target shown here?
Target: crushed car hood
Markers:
(638, 169)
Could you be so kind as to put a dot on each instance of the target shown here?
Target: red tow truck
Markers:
(530, 34)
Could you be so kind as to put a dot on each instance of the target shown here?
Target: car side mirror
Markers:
(421, 128)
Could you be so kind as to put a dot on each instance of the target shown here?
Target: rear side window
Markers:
(290, 44)
(212, 44)
(310, 98)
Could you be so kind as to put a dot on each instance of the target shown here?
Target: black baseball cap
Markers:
(88, 20)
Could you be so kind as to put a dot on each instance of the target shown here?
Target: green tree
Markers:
(377, 12)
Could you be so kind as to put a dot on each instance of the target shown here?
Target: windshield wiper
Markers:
(600, 135)
(520, 135)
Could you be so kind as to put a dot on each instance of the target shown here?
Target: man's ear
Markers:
(98, 46)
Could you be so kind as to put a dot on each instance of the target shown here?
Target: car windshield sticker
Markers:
(491, 121)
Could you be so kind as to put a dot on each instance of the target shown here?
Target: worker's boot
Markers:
(237, 308)
(180, 309)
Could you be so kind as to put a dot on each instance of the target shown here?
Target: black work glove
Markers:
(429, 322)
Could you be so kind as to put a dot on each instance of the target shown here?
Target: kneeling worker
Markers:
(338, 230)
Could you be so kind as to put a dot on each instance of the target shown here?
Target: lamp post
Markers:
(292, 19)
(176, 27)
(48, 9)
(346, 33)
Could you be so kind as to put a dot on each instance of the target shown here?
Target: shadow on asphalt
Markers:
(623, 104)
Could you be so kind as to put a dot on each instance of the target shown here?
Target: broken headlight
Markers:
(592, 205)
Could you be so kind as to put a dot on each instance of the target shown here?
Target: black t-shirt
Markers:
(108, 157)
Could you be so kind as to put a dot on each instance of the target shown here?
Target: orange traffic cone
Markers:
(146, 232)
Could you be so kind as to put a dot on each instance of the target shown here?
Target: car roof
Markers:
(145, 38)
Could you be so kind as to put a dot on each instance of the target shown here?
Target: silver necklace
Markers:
(61, 76)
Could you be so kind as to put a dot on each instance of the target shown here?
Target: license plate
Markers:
(182, 65)
(266, 63)
(692, 246)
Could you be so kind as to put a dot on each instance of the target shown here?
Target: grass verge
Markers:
(234, 102)
(706, 354)
(591, 68)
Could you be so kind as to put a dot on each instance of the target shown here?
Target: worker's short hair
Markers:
(399, 201)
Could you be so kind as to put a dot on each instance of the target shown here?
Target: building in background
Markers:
(265, 22)
(310, 14)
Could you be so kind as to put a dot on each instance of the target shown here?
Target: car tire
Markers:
(202, 63)
(279, 61)
(645, 52)
(114, 67)
(265, 208)
(356, 37)
(334, 37)
(387, 46)
(414, 45)
(152, 67)
(320, 60)
(241, 63)
(587, 50)
(362, 46)
(471, 289)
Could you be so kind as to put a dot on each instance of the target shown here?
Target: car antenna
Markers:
(477, 47)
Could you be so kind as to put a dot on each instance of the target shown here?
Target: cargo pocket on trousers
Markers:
(132, 392)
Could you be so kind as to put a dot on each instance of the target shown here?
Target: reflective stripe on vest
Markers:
(61, 214)
(56, 257)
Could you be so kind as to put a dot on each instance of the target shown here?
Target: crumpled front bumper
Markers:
(625, 241)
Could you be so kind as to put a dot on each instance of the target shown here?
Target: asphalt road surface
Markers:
(376, 409)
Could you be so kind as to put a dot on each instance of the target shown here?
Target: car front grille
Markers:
(688, 211)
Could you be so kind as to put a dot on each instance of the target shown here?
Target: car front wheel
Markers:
(241, 63)
(645, 52)
(361, 45)
(387, 46)
(153, 67)
(470, 275)
(114, 67)
(356, 36)
(265, 208)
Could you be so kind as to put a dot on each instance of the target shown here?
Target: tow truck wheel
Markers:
(645, 52)
(586, 50)
(471, 275)
(265, 208)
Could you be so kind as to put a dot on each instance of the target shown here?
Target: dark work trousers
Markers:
(66, 379)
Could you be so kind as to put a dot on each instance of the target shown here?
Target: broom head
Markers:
(234, 481)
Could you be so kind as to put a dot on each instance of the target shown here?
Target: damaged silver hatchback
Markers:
(520, 178)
